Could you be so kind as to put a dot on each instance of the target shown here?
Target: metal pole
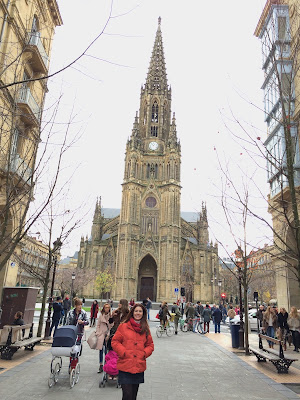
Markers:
(241, 330)
(47, 327)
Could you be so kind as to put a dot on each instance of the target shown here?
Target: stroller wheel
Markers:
(72, 377)
(51, 381)
(77, 373)
(56, 372)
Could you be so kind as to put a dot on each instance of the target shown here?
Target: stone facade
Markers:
(149, 248)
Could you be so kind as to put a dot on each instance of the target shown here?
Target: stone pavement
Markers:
(186, 366)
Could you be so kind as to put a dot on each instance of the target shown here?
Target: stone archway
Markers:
(147, 279)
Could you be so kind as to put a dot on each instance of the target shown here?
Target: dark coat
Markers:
(206, 314)
(57, 309)
(190, 312)
(165, 313)
(282, 320)
(217, 314)
(18, 321)
(67, 304)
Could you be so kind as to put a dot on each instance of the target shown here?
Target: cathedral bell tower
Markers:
(149, 230)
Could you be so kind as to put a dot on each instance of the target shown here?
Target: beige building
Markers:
(26, 35)
(150, 249)
(278, 30)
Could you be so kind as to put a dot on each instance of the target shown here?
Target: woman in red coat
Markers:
(94, 312)
(133, 343)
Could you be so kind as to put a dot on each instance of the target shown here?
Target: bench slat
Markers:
(270, 339)
(285, 356)
(25, 342)
(264, 354)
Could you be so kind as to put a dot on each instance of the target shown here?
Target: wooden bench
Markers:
(13, 337)
(276, 357)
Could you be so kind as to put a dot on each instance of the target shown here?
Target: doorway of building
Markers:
(147, 279)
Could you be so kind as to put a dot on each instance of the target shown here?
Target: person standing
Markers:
(119, 315)
(176, 311)
(102, 332)
(217, 317)
(200, 308)
(148, 307)
(83, 301)
(231, 313)
(164, 314)
(78, 317)
(282, 318)
(294, 325)
(270, 323)
(133, 343)
(94, 312)
(57, 310)
(206, 317)
(260, 315)
(67, 308)
(224, 313)
(132, 302)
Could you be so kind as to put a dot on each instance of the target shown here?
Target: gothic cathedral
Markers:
(149, 248)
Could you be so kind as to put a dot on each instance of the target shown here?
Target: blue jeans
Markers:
(217, 327)
(101, 353)
(270, 332)
(148, 313)
(54, 325)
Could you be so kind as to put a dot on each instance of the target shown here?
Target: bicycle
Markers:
(168, 330)
(188, 325)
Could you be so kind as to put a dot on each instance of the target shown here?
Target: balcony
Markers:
(39, 59)
(30, 111)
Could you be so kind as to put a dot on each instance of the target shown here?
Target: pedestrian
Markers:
(217, 317)
(133, 343)
(78, 317)
(132, 302)
(67, 307)
(176, 311)
(119, 315)
(148, 306)
(83, 301)
(224, 313)
(231, 313)
(164, 313)
(173, 309)
(18, 320)
(270, 324)
(200, 308)
(206, 317)
(294, 326)
(260, 314)
(94, 312)
(102, 332)
(212, 312)
(57, 309)
(283, 327)
(144, 302)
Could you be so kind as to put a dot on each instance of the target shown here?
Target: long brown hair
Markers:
(104, 305)
(143, 323)
(124, 309)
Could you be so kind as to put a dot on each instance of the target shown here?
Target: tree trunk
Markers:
(44, 300)
(246, 317)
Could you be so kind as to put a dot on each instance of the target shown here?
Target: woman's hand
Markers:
(80, 321)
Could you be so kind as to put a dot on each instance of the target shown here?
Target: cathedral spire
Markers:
(157, 75)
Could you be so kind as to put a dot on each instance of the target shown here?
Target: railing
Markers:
(27, 98)
(36, 41)
(20, 167)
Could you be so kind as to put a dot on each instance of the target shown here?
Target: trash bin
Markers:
(235, 340)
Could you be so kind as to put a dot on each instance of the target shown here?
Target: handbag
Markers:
(92, 340)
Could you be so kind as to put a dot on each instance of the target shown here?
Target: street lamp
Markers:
(72, 288)
(220, 284)
(53, 253)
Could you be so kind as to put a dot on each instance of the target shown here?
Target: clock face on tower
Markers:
(153, 146)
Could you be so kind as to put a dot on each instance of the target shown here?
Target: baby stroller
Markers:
(66, 343)
(110, 371)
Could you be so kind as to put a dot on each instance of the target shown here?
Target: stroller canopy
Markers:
(65, 336)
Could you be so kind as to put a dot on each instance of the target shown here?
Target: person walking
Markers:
(270, 323)
(133, 343)
(94, 312)
(260, 315)
(132, 302)
(231, 313)
(176, 311)
(78, 317)
(190, 314)
(67, 307)
(200, 308)
(224, 314)
(283, 327)
(102, 332)
(294, 326)
(212, 312)
(148, 307)
(57, 310)
(206, 317)
(217, 317)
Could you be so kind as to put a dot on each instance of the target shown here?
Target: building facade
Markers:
(26, 35)
(149, 248)
(278, 30)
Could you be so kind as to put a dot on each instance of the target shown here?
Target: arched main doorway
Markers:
(147, 279)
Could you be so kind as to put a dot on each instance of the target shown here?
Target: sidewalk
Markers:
(187, 366)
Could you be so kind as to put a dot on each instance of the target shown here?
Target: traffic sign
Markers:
(176, 290)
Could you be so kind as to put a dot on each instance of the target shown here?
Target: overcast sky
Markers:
(213, 64)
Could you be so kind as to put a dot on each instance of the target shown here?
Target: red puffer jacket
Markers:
(132, 348)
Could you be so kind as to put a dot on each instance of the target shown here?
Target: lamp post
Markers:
(72, 288)
(219, 285)
(56, 247)
(239, 263)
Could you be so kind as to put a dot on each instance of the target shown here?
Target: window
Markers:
(109, 261)
(151, 202)
(154, 116)
(14, 143)
(282, 28)
(154, 131)
(187, 268)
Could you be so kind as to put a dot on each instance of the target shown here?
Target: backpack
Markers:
(160, 313)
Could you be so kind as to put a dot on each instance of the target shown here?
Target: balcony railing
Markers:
(20, 167)
(36, 41)
(26, 98)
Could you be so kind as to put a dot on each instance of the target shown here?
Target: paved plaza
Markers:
(186, 366)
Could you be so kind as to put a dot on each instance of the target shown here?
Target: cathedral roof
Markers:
(188, 216)
(157, 74)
